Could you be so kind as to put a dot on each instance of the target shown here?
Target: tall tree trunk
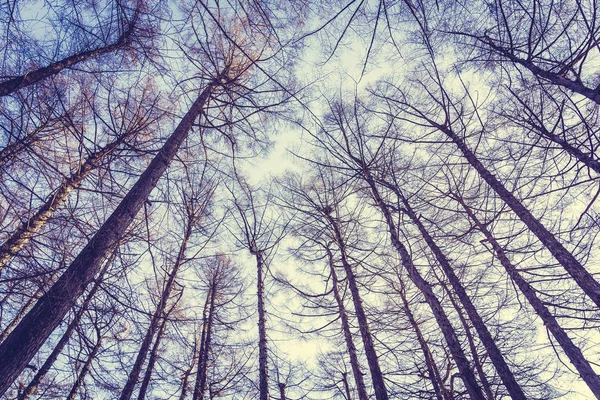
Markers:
(358, 376)
(441, 393)
(367, 338)
(12, 85)
(41, 373)
(85, 369)
(262, 327)
(23, 234)
(31, 333)
(346, 386)
(186, 376)
(281, 391)
(584, 279)
(485, 383)
(575, 355)
(511, 384)
(207, 325)
(158, 314)
(448, 331)
(152, 359)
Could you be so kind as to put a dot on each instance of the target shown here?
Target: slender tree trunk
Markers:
(358, 376)
(436, 380)
(24, 309)
(31, 333)
(511, 384)
(29, 228)
(41, 373)
(152, 360)
(584, 279)
(207, 325)
(346, 386)
(85, 369)
(186, 377)
(281, 391)
(12, 85)
(448, 331)
(158, 313)
(262, 327)
(575, 355)
(485, 383)
(367, 338)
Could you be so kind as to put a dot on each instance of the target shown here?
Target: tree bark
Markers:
(29, 228)
(346, 386)
(441, 393)
(41, 373)
(511, 384)
(158, 314)
(207, 325)
(152, 360)
(262, 327)
(573, 352)
(281, 391)
(367, 338)
(584, 279)
(85, 369)
(357, 373)
(448, 331)
(31, 333)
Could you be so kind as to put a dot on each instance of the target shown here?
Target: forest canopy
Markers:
(255, 199)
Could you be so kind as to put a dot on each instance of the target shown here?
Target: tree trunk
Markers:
(436, 380)
(186, 377)
(31, 333)
(372, 359)
(448, 331)
(28, 229)
(346, 386)
(262, 328)
(358, 376)
(12, 85)
(584, 279)
(207, 325)
(41, 373)
(511, 384)
(85, 369)
(575, 355)
(281, 391)
(158, 314)
(152, 360)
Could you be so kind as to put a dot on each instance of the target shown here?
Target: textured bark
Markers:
(85, 369)
(12, 85)
(156, 317)
(31, 333)
(511, 384)
(262, 327)
(573, 352)
(43, 370)
(23, 234)
(367, 338)
(441, 393)
(448, 331)
(356, 372)
(584, 279)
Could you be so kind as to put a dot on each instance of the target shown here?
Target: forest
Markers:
(295, 199)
